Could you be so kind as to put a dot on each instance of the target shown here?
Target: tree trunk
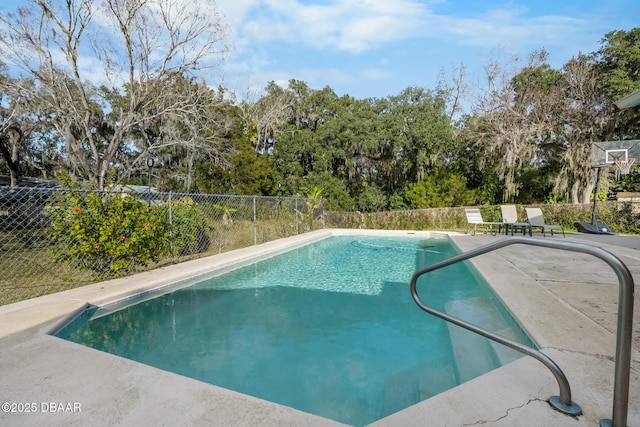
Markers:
(14, 164)
(11, 156)
(586, 194)
(575, 192)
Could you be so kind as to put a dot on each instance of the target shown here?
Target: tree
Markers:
(144, 46)
(439, 190)
(454, 90)
(267, 116)
(582, 117)
(373, 146)
(306, 145)
(11, 139)
(537, 120)
(618, 61)
(248, 173)
(26, 145)
(423, 130)
(195, 130)
(510, 122)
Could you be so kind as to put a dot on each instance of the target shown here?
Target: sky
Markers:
(377, 48)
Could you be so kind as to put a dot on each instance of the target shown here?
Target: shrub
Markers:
(108, 233)
(190, 232)
(439, 191)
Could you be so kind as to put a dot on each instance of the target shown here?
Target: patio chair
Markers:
(510, 220)
(536, 219)
(474, 218)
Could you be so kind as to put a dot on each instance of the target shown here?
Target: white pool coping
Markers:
(565, 301)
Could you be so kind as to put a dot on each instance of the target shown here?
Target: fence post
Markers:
(171, 227)
(296, 215)
(255, 223)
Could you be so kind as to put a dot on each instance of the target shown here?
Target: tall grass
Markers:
(618, 216)
(38, 274)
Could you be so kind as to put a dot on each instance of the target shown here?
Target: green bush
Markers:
(439, 191)
(190, 232)
(108, 233)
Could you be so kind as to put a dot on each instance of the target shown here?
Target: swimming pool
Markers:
(328, 328)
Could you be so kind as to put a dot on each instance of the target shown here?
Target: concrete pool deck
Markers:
(566, 301)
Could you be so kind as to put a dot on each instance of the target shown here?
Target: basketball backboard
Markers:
(607, 152)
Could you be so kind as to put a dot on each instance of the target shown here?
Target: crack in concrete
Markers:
(582, 353)
(481, 422)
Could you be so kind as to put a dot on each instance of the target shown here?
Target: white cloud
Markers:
(515, 27)
(282, 39)
(356, 26)
(347, 25)
(235, 11)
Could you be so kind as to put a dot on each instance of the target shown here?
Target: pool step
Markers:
(503, 353)
(473, 353)
(417, 384)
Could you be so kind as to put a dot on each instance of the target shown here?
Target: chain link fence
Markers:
(53, 239)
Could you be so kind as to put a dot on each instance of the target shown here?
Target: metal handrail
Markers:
(562, 403)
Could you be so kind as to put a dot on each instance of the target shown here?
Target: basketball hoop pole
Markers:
(594, 227)
(595, 197)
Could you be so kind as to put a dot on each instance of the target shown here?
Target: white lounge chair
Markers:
(536, 219)
(510, 220)
(474, 218)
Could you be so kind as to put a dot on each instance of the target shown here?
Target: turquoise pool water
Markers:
(329, 328)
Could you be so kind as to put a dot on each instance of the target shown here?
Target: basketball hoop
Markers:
(624, 165)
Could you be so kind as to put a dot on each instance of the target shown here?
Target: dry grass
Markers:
(28, 269)
(31, 271)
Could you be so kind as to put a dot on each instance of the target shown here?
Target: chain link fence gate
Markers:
(53, 239)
